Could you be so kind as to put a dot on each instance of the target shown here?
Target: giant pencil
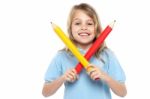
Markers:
(71, 47)
(95, 45)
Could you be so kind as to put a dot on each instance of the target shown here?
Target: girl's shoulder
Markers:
(60, 53)
(107, 51)
(110, 55)
(63, 54)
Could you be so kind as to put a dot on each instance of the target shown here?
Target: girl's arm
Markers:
(50, 88)
(117, 87)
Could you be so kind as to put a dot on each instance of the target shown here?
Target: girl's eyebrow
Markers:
(79, 19)
(90, 20)
(76, 19)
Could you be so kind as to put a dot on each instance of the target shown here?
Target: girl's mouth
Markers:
(83, 34)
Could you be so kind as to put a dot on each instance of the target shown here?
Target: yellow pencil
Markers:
(71, 46)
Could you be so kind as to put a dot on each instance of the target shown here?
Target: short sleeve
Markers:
(54, 69)
(114, 68)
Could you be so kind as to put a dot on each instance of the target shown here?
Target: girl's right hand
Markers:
(70, 75)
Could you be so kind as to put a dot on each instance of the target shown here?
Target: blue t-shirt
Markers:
(85, 87)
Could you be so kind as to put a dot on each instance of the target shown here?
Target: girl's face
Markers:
(82, 29)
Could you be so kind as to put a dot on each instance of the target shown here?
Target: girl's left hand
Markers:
(97, 73)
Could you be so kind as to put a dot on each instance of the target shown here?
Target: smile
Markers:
(84, 34)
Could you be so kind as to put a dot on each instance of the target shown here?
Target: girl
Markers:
(83, 29)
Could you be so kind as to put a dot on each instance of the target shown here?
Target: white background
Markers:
(27, 43)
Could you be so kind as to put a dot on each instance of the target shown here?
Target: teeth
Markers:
(84, 34)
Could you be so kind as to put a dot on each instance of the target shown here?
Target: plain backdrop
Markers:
(28, 43)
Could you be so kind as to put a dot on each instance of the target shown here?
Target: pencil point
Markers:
(53, 25)
(112, 24)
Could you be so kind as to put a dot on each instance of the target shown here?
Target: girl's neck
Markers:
(84, 47)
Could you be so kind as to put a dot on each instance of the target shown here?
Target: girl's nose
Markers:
(83, 27)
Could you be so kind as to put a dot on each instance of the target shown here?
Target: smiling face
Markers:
(82, 29)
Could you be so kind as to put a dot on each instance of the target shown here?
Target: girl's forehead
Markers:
(79, 11)
(80, 19)
(79, 14)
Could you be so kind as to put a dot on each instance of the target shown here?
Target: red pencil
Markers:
(95, 45)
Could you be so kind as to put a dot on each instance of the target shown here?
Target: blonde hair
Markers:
(91, 13)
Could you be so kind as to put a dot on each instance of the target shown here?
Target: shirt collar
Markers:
(82, 51)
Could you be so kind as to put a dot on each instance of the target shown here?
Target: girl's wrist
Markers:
(63, 78)
(107, 78)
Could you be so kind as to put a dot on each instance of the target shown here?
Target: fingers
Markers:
(95, 73)
(71, 75)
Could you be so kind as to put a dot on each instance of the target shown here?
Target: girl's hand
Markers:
(97, 73)
(70, 75)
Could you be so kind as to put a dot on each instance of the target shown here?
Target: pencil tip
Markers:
(112, 24)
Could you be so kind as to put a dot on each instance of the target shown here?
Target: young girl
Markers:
(83, 29)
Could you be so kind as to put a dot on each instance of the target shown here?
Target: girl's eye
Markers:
(77, 23)
(90, 23)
